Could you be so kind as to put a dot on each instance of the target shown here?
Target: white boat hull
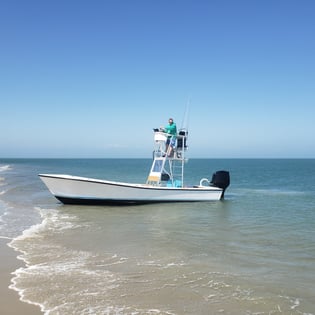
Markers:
(81, 190)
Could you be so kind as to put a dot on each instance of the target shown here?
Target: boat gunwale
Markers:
(128, 185)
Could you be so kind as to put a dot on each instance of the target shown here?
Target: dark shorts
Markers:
(171, 141)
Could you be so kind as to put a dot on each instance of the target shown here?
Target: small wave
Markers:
(5, 238)
(149, 263)
(124, 310)
(33, 231)
(59, 265)
(170, 265)
(114, 260)
(296, 303)
(2, 216)
(4, 168)
(269, 192)
(160, 264)
(52, 220)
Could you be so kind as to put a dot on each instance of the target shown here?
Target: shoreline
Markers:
(10, 302)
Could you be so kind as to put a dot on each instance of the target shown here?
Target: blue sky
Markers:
(92, 78)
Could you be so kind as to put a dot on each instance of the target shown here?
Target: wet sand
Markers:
(10, 303)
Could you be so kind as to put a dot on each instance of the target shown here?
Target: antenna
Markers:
(185, 121)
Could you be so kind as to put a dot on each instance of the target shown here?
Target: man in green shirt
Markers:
(172, 131)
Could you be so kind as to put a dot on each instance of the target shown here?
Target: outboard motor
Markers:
(221, 179)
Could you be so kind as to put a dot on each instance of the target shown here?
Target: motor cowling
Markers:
(221, 179)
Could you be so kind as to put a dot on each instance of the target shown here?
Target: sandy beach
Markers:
(10, 303)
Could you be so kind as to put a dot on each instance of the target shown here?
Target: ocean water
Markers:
(253, 253)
